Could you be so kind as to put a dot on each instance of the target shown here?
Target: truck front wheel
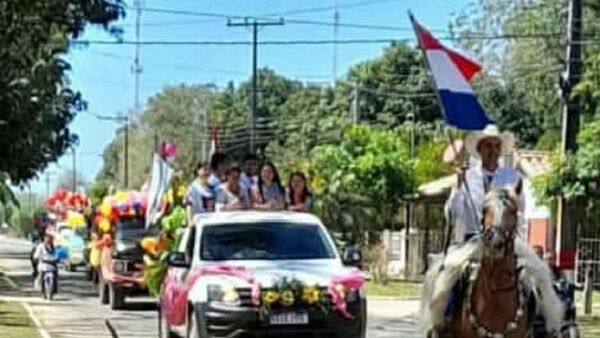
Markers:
(102, 289)
(116, 297)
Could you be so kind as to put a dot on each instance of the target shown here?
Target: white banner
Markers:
(159, 183)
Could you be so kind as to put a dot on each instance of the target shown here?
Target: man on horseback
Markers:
(465, 204)
(514, 285)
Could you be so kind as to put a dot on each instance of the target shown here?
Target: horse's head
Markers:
(500, 218)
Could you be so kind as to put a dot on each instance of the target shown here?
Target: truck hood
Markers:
(309, 272)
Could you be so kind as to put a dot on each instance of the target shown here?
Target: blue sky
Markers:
(103, 72)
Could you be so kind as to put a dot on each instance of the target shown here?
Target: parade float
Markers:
(70, 226)
(116, 253)
(169, 223)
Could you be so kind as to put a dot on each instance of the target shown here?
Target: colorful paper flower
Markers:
(287, 298)
(270, 297)
(311, 295)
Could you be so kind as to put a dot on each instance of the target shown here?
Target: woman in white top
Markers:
(268, 193)
(298, 197)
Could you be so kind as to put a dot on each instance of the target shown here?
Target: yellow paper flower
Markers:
(287, 298)
(149, 245)
(181, 191)
(311, 294)
(105, 209)
(270, 297)
(121, 197)
(104, 225)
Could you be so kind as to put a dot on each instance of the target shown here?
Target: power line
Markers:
(310, 42)
(329, 8)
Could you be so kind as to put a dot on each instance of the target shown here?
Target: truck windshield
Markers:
(272, 241)
(130, 228)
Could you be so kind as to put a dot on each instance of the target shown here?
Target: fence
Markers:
(588, 254)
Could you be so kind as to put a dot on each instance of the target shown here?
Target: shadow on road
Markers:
(134, 304)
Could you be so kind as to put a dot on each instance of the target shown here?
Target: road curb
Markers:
(392, 299)
(36, 321)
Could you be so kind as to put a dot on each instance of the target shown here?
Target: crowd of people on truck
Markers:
(222, 186)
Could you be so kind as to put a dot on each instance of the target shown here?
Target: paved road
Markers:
(76, 312)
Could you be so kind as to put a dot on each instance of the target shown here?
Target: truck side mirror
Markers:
(352, 257)
(178, 260)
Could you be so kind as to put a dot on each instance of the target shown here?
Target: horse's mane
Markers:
(442, 277)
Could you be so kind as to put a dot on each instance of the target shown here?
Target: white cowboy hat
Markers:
(490, 131)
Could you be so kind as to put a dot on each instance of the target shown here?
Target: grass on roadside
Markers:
(589, 326)
(404, 290)
(15, 322)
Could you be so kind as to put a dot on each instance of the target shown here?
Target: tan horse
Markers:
(499, 275)
(495, 304)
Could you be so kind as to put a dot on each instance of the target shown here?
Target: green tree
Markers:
(577, 178)
(391, 86)
(36, 99)
(359, 184)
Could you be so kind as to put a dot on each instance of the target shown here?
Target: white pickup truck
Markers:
(224, 259)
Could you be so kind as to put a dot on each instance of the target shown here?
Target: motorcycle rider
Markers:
(45, 255)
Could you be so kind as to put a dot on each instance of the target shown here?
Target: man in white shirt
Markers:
(249, 176)
(486, 145)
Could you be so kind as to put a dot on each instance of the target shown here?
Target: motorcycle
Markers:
(566, 292)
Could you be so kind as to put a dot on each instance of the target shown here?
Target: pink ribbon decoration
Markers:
(353, 281)
(174, 296)
(168, 150)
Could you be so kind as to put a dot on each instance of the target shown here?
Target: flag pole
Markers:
(450, 138)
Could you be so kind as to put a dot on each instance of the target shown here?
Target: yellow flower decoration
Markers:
(270, 297)
(121, 196)
(104, 225)
(287, 298)
(169, 196)
(149, 245)
(181, 191)
(311, 294)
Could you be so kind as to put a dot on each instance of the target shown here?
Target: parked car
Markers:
(121, 270)
(73, 241)
(271, 247)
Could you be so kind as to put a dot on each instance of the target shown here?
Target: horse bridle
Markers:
(497, 228)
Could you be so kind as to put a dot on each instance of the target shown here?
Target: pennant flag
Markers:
(159, 182)
(452, 72)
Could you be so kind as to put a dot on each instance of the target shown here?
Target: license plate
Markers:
(289, 318)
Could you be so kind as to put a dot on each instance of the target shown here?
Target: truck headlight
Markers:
(119, 266)
(223, 294)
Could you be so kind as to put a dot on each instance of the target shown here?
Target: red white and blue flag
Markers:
(452, 73)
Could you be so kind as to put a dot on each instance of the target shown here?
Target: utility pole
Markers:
(48, 175)
(205, 135)
(31, 208)
(255, 23)
(74, 178)
(336, 24)
(411, 117)
(136, 69)
(356, 103)
(566, 230)
(126, 151)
